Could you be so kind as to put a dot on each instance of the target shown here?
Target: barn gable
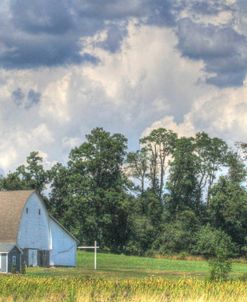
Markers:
(34, 230)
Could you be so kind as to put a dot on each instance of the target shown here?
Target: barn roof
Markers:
(11, 206)
(7, 247)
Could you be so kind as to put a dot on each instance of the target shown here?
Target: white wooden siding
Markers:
(63, 246)
(34, 229)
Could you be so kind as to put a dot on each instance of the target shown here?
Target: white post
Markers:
(95, 247)
(95, 255)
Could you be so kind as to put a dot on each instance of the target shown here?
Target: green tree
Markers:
(212, 242)
(90, 194)
(31, 175)
(159, 145)
(102, 157)
(137, 167)
(177, 235)
(183, 182)
(212, 156)
(228, 209)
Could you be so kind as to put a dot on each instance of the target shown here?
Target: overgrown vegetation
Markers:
(173, 195)
(98, 290)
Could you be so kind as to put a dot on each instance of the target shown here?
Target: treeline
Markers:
(173, 195)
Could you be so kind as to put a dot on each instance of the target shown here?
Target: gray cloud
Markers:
(40, 17)
(18, 96)
(26, 101)
(210, 7)
(223, 50)
(37, 33)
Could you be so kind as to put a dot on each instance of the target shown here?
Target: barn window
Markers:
(39, 211)
(27, 210)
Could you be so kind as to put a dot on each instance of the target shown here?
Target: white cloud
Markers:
(147, 80)
(222, 114)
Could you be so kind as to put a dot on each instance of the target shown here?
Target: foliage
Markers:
(228, 209)
(122, 278)
(90, 289)
(182, 183)
(219, 269)
(173, 195)
(218, 246)
(212, 242)
(31, 175)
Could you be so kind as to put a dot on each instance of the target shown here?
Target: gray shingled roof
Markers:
(6, 247)
(11, 207)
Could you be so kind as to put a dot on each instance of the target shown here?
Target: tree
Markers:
(212, 155)
(90, 194)
(183, 182)
(177, 235)
(102, 157)
(159, 145)
(227, 209)
(237, 170)
(212, 242)
(31, 175)
(137, 167)
(217, 246)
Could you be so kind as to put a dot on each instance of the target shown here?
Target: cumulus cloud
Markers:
(50, 32)
(221, 113)
(223, 50)
(180, 64)
(37, 33)
(125, 92)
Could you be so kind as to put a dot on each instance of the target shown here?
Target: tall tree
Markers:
(91, 190)
(159, 145)
(102, 157)
(137, 167)
(183, 182)
(212, 154)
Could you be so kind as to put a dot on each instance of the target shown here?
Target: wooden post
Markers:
(95, 255)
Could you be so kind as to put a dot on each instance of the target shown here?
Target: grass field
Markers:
(120, 266)
(122, 278)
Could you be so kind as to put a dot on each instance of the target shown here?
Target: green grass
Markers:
(112, 266)
(122, 278)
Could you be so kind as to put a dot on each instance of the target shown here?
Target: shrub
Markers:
(219, 269)
(211, 242)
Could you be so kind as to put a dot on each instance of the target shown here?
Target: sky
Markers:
(129, 66)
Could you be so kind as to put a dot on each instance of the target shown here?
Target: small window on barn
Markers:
(26, 210)
(39, 212)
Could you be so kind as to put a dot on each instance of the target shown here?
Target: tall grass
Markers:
(23, 288)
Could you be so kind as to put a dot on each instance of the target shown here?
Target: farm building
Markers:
(29, 235)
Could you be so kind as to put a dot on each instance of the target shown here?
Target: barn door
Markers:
(3, 263)
(32, 257)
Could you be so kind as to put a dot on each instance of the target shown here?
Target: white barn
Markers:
(26, 224)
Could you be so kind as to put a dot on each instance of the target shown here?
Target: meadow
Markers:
(122, 278)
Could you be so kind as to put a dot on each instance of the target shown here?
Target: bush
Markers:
(174, 238)
(219, 269)
(211, 242)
